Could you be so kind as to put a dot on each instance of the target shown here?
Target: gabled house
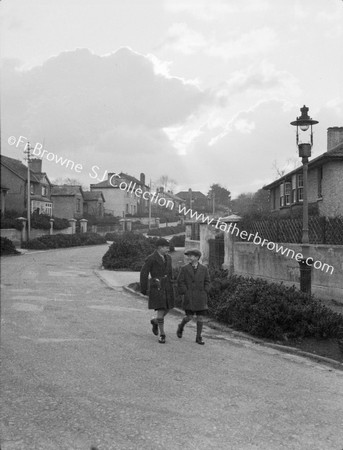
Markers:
(325, 182)
(173, 202)
(68, 201)
(93, 203)
(195, 200)
(120, 201)
(14, 178)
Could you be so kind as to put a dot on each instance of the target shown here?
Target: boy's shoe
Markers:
(154, 326)
(179, 331)
(199, 340)
(162, 339)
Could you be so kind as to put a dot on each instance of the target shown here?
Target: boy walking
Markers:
(161, 294)
(194, 283)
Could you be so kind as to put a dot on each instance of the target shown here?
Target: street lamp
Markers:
(304, 142)
(27, 152)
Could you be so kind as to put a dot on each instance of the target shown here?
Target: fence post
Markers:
(52, 226)
(83, 225)
(229, 242)
(23, 236)
(72, 224)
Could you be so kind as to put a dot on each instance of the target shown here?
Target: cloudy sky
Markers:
(201, 90)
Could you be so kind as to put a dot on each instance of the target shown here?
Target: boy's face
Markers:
(163, 250)
(192, 258)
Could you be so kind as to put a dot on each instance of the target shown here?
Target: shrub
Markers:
(64, 241)
(271, 310)
(128, 251)
(7, 247)
(7, 222)
(178, 241)
(166, 231)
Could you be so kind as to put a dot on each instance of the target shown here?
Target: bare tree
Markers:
(168, 184)
(69, 181)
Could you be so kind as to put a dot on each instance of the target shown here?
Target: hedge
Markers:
(128, 251)
(64, 241)
(166, 231)
(7, 247)
(270, 310)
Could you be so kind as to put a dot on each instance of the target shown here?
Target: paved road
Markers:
(81, 367)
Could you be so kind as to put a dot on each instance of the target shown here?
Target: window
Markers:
(320, 181)
(48, 209)
(44, 191)
(288, 193)
(282, 195)
(31, 188)
(78, 205)
(127, 208)
(300, 187)
(294, 188)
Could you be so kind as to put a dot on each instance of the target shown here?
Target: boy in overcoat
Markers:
(161, 294)
(193, 283)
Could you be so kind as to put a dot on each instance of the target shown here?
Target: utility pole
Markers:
(150, 205)
(27, 152)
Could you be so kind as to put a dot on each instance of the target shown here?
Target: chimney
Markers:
(142, 178)
(162, 189)
(335, 137)
(36, 165)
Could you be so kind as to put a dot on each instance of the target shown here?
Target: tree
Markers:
(252, 203)
(167, 183)
(70, 182)
(221, 195)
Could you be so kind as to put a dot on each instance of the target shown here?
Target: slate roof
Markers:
(195, 195)
(123, 177)
(66, 190)
(17, 167)
(335, 154)
(92, 195)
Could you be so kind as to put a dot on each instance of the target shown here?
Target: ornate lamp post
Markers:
(304, 142)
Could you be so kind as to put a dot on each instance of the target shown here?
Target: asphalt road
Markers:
(80, 367)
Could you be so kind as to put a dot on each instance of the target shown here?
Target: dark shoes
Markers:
(154, 326)
(179, 331)
(199, 340)
(162, 339)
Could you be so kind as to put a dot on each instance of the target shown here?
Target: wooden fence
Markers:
(322, 230)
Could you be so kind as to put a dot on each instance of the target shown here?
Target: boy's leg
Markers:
(154, 322)
(160, 322)
(181, 325)
(200, 322)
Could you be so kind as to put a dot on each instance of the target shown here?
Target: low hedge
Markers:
(166, 231)
(64, 241)
(178, 241)
(7, 247)
(128, 251)
(270, 310)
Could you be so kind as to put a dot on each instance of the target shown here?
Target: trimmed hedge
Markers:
(166, 231)
(128, 251)
(64, 241)
(270, 310)
(178, 241)
(7, 247)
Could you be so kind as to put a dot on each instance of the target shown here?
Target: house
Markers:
(170, 208)
(68, 201)
(118, 195)
(195, 200)
(14, 179)
(4, 191)
(93, 203)
(325, 182)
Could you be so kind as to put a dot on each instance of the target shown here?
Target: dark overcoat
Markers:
(160, 288)
(194, 286)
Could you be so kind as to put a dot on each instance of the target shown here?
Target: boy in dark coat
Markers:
(161, 294)
(194, 283)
